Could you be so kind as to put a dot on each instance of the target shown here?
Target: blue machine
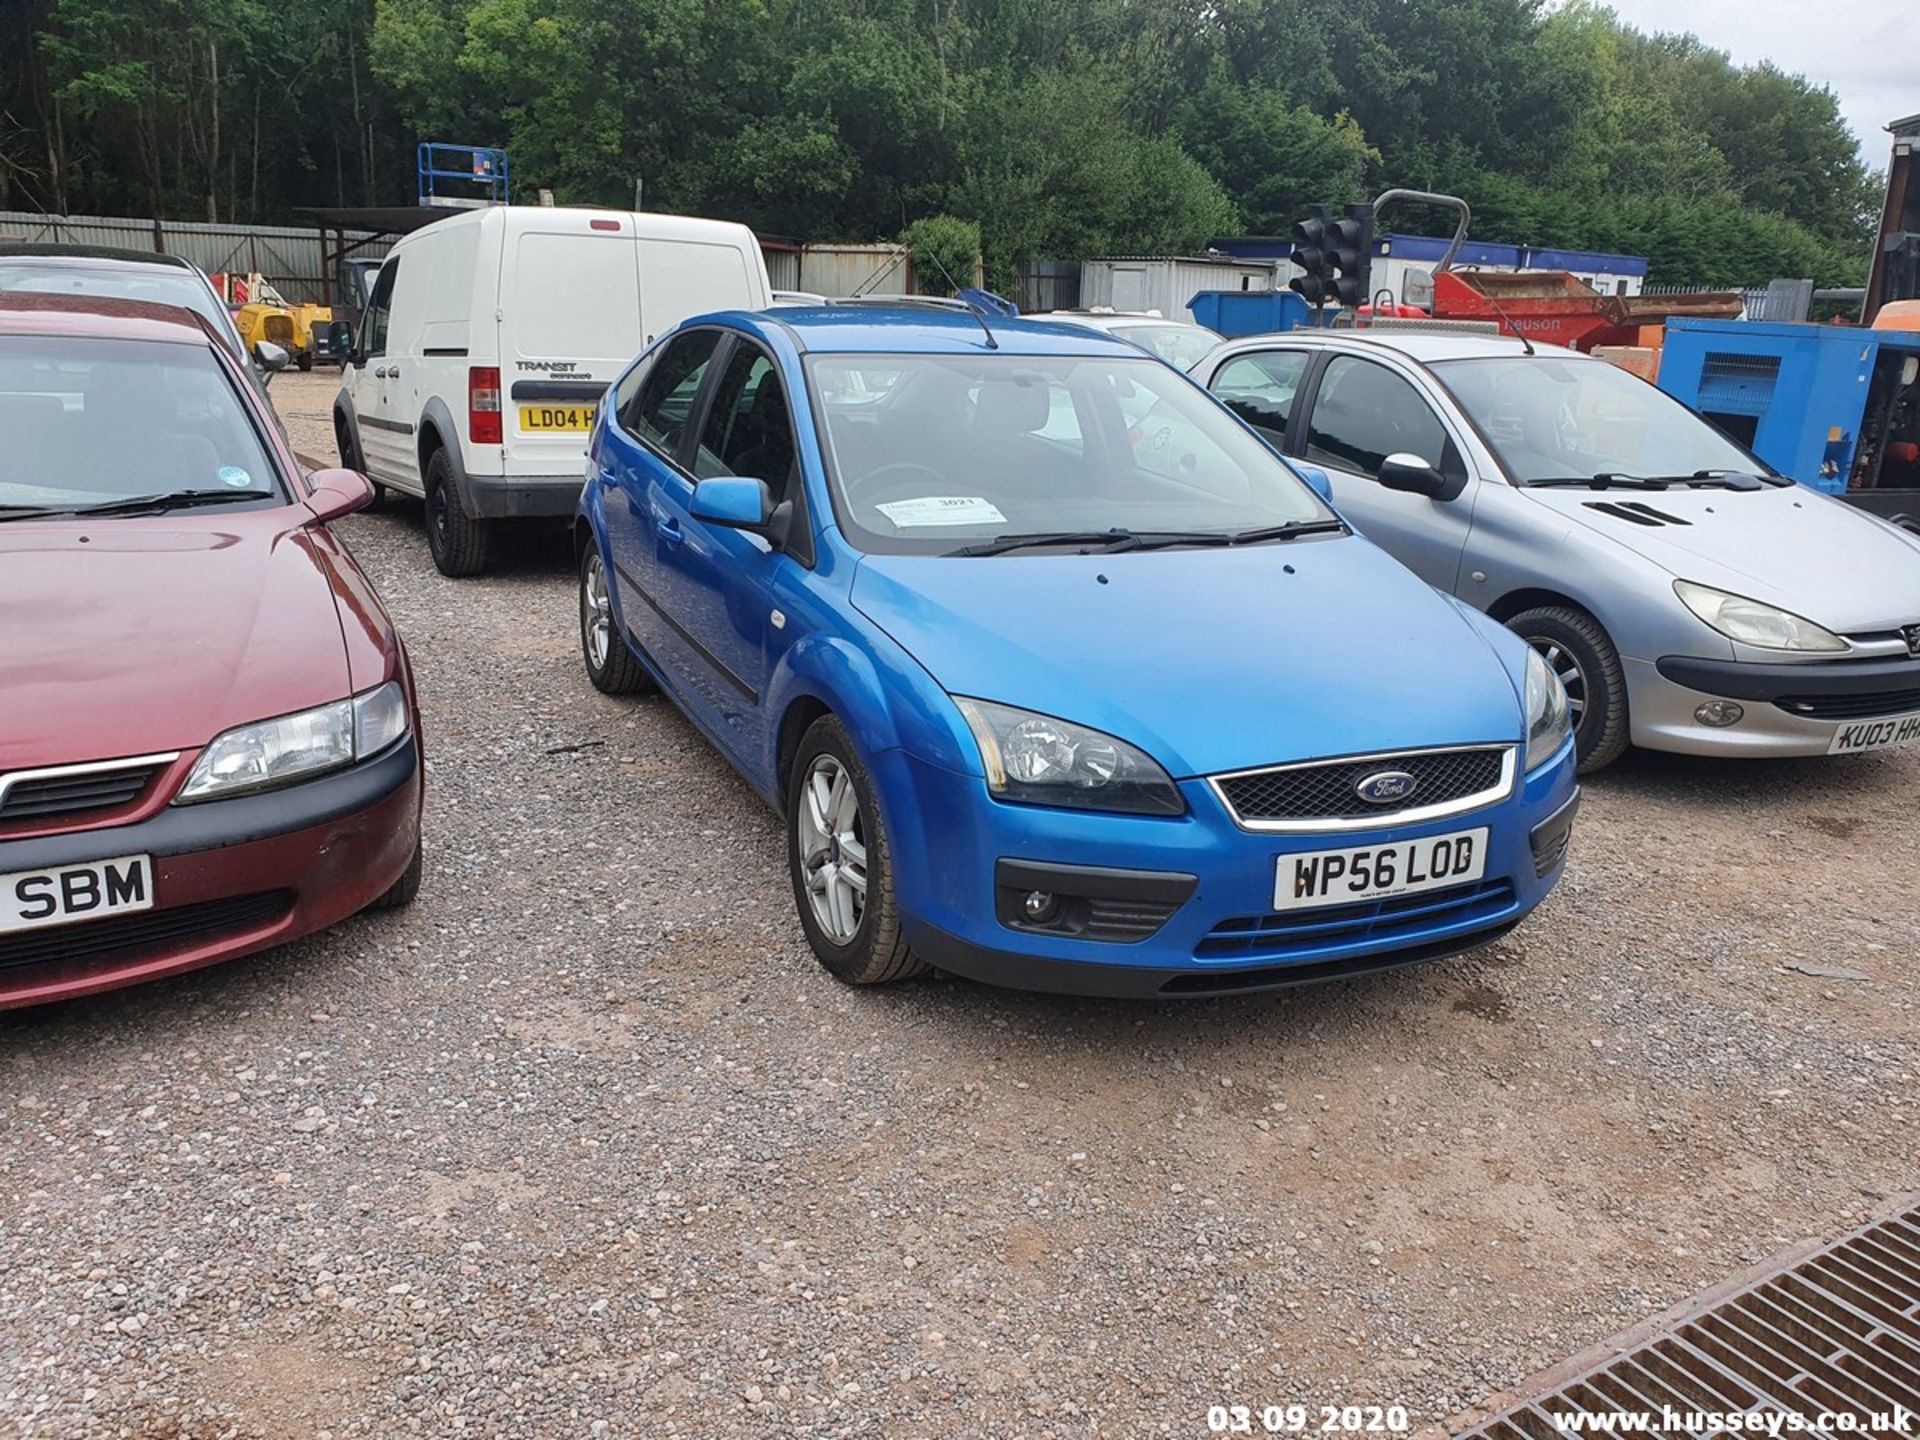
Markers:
(480, 169)
(1834, 406)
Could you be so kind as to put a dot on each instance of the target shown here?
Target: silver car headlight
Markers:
(297, 747)
(1753, 623)
(1549, 716)
(1040, 760)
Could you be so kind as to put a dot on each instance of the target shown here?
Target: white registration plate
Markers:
(1376, 872)
(1861, 735)
(62, 894)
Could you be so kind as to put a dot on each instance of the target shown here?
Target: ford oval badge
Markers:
(1386, 787)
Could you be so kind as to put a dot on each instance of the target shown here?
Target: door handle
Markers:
(669, 531)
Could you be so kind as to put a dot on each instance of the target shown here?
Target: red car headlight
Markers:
(291, 748)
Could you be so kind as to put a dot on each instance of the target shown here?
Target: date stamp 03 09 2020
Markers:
(1307, 1419)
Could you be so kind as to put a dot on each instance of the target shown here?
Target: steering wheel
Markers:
(901, 479)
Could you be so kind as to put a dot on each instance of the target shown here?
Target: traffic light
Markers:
(1349, 251)
(1311, 253)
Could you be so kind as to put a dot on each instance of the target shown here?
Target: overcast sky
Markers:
(1866, 51)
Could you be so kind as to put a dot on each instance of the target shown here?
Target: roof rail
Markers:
(938, 301)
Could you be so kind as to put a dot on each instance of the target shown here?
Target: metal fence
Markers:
(1777, 300)
(1047, 285)
(289, 256)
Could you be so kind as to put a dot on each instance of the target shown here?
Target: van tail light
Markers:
(483, 404)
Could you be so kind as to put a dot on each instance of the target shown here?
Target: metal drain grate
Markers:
(1829, 1334)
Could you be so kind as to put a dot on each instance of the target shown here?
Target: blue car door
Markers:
(643, 447)
(716, 583)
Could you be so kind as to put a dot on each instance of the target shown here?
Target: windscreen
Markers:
(929, 452)
(1181, 346)
(155, 284)
(92, 421)
(1549, 418)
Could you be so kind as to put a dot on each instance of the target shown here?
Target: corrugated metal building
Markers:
(289, 256)
(1167, 282)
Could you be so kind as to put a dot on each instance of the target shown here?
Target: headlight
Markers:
(297, 747)
(1549, 718)
(1038, 760)
(1752, 623)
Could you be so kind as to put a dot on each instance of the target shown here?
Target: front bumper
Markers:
(1190, 907)
(230, 877)
(1790, 710)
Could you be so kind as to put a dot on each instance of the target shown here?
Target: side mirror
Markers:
(334, 493)
(271, 356)
(340, 338)
(1317, 480)
(1414, 476)
(733, 501)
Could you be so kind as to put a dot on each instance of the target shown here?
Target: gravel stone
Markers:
(585, 1143)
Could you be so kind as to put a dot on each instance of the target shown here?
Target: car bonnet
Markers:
(134, 636)
(1209, 659)
(1785, 545)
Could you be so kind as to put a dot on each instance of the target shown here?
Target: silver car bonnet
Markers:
(1787, 546)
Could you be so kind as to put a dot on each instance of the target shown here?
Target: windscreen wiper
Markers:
(1609, 479)
(1117, 541)
(166, 500)
(1107, 539)
(1603, 481)
(1292, 530)
(1166, 539)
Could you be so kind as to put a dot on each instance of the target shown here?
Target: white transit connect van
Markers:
(489, 339)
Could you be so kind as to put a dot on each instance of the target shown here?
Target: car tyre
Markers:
(400, 894)
(1577, 649)
(611, 665)
(837, 851)
(460, 543)
(305, 362)
(348, 444)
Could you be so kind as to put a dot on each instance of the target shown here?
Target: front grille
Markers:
(146, 935)
(1836, 1334)
(1373, 921)
(1325, 791)
(1851, 707)
(278, 328)
(75, 789)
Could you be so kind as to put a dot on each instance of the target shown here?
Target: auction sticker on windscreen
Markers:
(942, 510)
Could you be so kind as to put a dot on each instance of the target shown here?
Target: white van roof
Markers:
(643, 224)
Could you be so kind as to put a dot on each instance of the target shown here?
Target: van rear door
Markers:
(688, 277)
(569, 324)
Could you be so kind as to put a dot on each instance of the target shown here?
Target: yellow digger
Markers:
(264, 314)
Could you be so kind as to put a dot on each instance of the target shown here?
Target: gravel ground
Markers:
(586, 1144)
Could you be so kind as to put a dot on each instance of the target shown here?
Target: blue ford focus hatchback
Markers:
(1059, 677)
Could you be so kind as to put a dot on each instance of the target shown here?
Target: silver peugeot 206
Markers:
(1689, 598)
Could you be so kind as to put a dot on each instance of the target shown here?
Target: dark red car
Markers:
(209, 742)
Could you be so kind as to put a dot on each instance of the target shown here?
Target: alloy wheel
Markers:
(596, 612)
(1561, 661)
(833, 849)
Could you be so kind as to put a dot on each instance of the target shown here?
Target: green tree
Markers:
(946, 252)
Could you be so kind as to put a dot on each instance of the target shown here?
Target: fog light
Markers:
(1038, 906)
(1720, 713)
